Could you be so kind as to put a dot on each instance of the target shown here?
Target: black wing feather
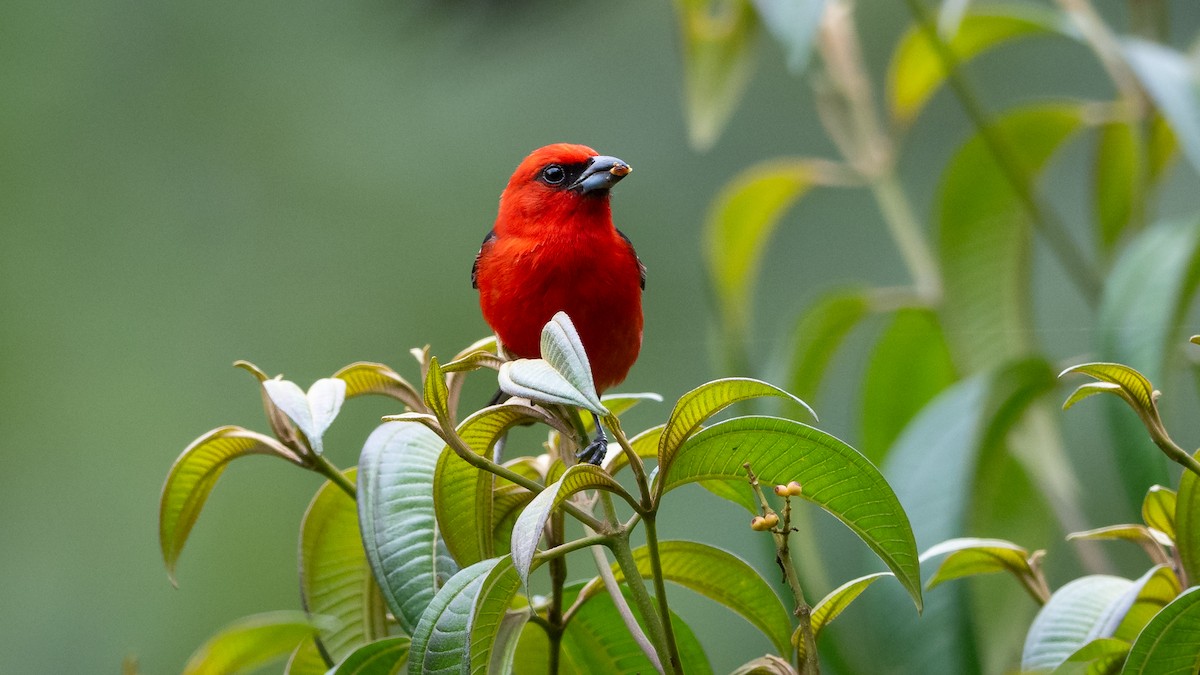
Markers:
(491, 235)
(641, 265)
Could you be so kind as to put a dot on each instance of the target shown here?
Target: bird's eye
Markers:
(553, 174)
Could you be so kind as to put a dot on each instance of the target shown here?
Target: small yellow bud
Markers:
(794, 489)
(781, 490)
(759, 524)
(771, 519)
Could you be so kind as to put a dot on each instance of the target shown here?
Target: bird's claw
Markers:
(595, 451)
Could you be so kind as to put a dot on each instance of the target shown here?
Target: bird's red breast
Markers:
(554, 248)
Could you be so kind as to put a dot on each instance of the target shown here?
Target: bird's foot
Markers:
(595, 451)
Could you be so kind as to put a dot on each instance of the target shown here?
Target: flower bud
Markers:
(781, 490)
(794, 489)
(759, 524)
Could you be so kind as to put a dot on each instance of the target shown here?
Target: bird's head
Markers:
(560, 183)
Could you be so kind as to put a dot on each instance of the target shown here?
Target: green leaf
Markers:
(986, 238)
(820, 332)
(1158, 510)
(1145, 300)
(1102, 656)
(281, 426)
(718, 59)
(463, 493)
(193, 477)
(717, 575)
(834, 475)
(306, 659)
(794, 25)
(910, 365)
(736, 231)
(1068, 620)
(971, 556)
(1187, 523)
(596, 640)
(250, 643)
(831, 606)
(562, 376)
(1155, 590)
(916, 70)
(695, 407)
(645, 445)
(435, 391)
(1139, 534)
(1090, 389)
(335, 578)
(385, 657)
(1170, 643)
(529, 526)
(363, 378)
(396, 516)
(441, 641)
(1118, 181)
(1173, 81)
(493, 629)
(563, 350)
(312, 412)
(1133, 386)
(765, 665)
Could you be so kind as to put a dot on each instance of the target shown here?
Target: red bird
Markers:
(554, 248)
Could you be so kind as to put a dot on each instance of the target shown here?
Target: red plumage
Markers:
(554, 248)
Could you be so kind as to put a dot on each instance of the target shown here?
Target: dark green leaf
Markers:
(834, 475)
(250, 643)
(986, 238)
(1170, 643)
(385, 657)
(335, 579)
(396, 516)
(193, 476)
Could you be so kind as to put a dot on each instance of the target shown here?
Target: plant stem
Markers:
(637, 588)
(558, 578)
(1078, 269)
(1106, 47)
(906, 231)
(326, 468)
(604, 569)
(635, 462)
(660, 586)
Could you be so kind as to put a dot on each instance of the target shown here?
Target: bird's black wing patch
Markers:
(641, 265)
(491, 235)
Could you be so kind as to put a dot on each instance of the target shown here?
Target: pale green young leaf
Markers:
(794, 24)
(563, 350)
(1152, 542)
(1155, 590)
(916, 71)
(736, 231)
(1118, 181)
(312, 412)
(1173, 81)
(396, 517)
(986, 240)
(835, 477)
(1067, 621)
(250, 643)
(335, 578)
(384, 657)
(281, 426)
(818, 335)
(537, 380)
(1187, 524)
(435, 392)
(909, 365)
(306, 659)
(718, 41)
(1170, 643)
(970, 556)
(1137, 389)
(193, 477)
(1091, 389)
(832, 605)
(529, 526)
(1158, 510)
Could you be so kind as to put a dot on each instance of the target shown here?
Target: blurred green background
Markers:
(304, 184)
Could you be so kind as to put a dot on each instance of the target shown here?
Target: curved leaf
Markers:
(835, 477)
(193, 476)
(312, 412)
(250, 643)
(910, 365)
(1102, 656)
(491, 624)
(701, 403)
(1118, 181)
(717, 575)
(463, 493)
(396, 517)
(306, 660)
(718, 58)
(819, 333)
(563, 350)
(281, 426)
(335, 579)
(1173, 81)
(1135, 387)
(972, 556)
(831, 606)
(536, 380)
(1170, 643)
(986, 238)
(441, 642)
(765, 665)
(916, 72)
(1187, 524)
(1067, 621)
(363, 378)
(385, 657)
(645, 445)
(529, 526)
(736, 231)
(1158, 510)
(1155, 590)
(1139, 534)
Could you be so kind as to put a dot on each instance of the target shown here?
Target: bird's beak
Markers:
(602, 173)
